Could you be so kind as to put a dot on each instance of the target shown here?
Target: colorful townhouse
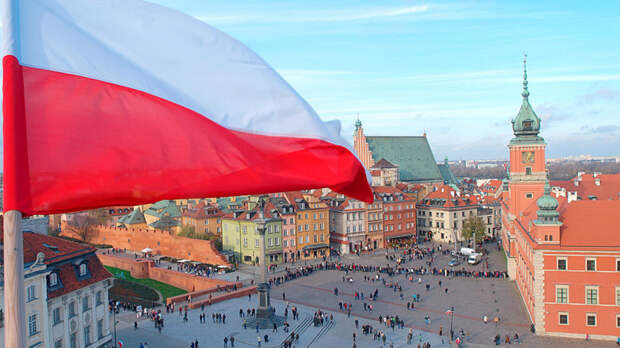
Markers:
(287, 213)
(399, 215)
(374, 231)
(563, 254)
(312, 224)
(205, 218)
(240, 235)
(348, 224)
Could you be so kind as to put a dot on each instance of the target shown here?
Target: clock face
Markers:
(527, 156)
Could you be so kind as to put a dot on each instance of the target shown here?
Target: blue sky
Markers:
(453, 69)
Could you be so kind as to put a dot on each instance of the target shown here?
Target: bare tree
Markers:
(84, 225)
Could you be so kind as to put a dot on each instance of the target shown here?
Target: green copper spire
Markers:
(547, 207)
(526, 125)
(525, 92)
(358, 124)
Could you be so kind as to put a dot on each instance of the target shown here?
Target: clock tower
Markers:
(527, 156)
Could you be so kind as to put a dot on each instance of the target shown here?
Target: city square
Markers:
(472, 298)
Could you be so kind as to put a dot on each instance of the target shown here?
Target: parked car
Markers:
(454, 262)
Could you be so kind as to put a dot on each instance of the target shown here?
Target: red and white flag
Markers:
(123, 102)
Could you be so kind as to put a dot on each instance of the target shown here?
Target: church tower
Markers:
(361, 146)
(527, 156)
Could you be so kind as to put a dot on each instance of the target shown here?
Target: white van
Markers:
(467, 251)
(474, 258)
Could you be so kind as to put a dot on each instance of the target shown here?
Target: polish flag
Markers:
(123, 102)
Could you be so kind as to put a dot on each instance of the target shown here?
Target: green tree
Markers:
(473, 226)
(188, 231)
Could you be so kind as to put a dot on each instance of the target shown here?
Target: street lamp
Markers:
(115, 322)
(451, 322)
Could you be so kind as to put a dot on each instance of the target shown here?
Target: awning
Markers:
(406, 235)
(315, 246)
(147, 250)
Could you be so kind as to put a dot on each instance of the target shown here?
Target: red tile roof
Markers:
(590, 223)
(197, 212)
(69, 280)
(608, 188)
(58, 255)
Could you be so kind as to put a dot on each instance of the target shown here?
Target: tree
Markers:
(188, 231)
(473, 226)
(84, 225)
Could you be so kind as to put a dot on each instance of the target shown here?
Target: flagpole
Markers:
(15, 321)
(13, 113)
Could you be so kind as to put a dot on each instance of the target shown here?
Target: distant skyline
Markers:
(453, 69)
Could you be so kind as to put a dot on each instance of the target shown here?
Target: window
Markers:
(256, 243)
(529, 195)
(31, 293)
(590, 264)
(53, 279)
(322, 226)
(87, 335)
(561, 294)
(321, 215)
(617, 320)
(99, 298)
(100, 328)
(617, 265)
(561, 264)
(83, 269)
(322, 238)
(58, 343)
(32, 324)
(245, 242)
(591, 295)
(299, 228)
(285, 243)
(315, 238)
(73, 340)
(314, 227)
(56, 316)
(528, 170)
(618, 296)
(71, 309)
(307, 239)
(563, 316)
(301, 240)
(590, 319)
(306, 227)
(85, 303)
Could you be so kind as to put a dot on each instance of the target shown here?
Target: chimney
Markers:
(597, 181)
(576, 182)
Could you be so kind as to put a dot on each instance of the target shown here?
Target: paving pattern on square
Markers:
(472, 298)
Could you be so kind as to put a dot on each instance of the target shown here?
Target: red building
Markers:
(564, 254)
(399, 214)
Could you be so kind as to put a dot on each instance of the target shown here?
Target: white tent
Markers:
(182, 261)
(147, 250)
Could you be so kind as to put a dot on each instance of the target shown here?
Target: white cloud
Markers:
(323, 16)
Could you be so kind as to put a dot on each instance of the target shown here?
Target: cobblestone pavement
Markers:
(471, 299)
(177, 333)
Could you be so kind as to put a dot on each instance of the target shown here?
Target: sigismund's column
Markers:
(264, 302)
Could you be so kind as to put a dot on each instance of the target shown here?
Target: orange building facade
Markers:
(312, 222)
(564, 256)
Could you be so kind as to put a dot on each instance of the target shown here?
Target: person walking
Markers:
(225, 342)
(232, 341)
(258, 338)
